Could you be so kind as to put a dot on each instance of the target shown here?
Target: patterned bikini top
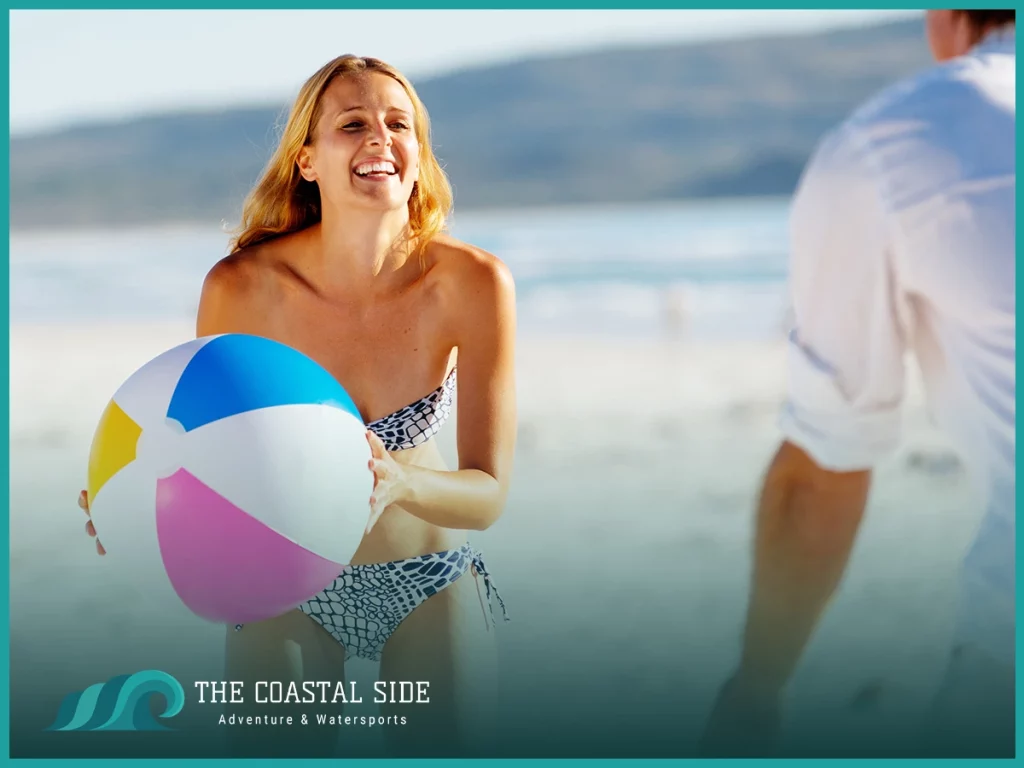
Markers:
(415, 424)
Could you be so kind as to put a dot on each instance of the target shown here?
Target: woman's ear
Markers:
(305, 163)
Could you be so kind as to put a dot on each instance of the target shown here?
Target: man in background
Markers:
(902, 236)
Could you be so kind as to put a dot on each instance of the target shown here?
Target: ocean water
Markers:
(714, 269)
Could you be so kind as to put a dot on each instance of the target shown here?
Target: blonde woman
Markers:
(341, 255)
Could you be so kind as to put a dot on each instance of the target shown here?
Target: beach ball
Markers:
(230, 473)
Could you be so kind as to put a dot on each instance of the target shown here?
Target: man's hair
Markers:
(983, 20)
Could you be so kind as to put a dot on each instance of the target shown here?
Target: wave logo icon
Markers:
(121, 704)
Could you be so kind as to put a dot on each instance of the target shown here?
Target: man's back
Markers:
(902, 238)
(943, 145)
(902, 244)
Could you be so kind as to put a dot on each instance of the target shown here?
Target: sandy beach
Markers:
(624, 549)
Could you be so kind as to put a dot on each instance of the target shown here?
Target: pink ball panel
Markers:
(225, 565)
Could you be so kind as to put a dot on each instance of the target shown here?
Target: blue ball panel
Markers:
(237, 373)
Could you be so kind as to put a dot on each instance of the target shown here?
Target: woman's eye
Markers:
(399, 125)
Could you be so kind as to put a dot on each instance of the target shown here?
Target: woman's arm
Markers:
(223, 297)
(222, 285)
(276, 650)
(484, 329)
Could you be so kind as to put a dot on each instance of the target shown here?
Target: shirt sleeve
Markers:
(845, 354)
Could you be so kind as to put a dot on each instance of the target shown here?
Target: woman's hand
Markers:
(389, 480)
(83, 502)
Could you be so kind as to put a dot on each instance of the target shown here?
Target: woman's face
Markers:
(364, 150)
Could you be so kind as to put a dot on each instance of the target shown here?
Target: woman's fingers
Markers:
(83, 502)
(377, 449)
(375, 512)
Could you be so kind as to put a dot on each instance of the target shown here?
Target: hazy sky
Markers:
(68, 66)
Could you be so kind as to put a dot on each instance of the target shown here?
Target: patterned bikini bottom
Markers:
(366, 603)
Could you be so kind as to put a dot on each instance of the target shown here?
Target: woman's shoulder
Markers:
(462, 267)
(235, 277)
(251, 268)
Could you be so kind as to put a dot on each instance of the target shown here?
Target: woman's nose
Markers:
(379, 134)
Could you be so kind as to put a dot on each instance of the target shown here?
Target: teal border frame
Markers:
(581, 5)
(503, 5)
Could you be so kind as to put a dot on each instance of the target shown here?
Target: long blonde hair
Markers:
(283, 202)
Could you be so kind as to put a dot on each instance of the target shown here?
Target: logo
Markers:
(121, 704)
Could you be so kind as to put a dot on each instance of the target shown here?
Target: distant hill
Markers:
(619, 125)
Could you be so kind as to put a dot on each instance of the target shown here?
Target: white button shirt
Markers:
(902, 237)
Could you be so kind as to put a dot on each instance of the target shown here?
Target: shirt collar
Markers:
(999, 40)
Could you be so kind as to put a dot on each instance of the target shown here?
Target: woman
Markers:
(341, 256)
